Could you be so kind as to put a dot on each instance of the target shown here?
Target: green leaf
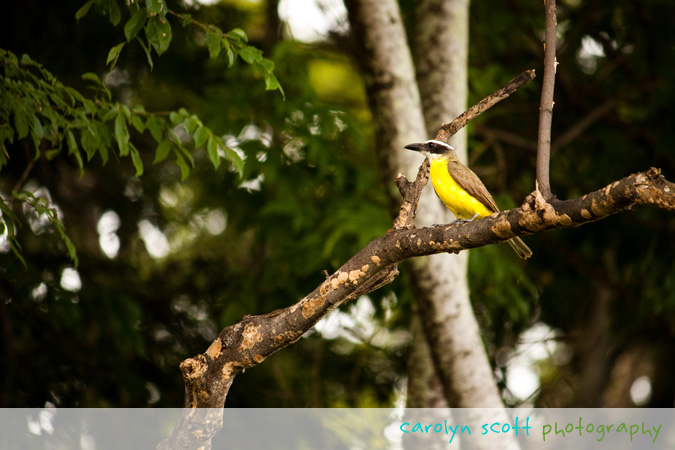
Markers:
(89, 106)
(175, 117)
(271, 83)
(147, 53)
(155, 128)
(136, 159)
(91, 76)
(250, 54)
(74, 94)
(162, 151)
(158, 32)
(155, 6)
(90, 142)
(27, 60)
(107, 114)
(72, 148)
(125, 111)
(114, 12)
(16, 249)
(6, 134)
(84, 10)
(212, 150)
(72, 252)
(104, 141)
(235, 159)
(231, 55)
(187, 19)
(137, 123)
(135, 23)
(37, 128)
(200, 136)
(114, 54)
(122, 134)
(184, 168)
(213, 42)
(237, 34)
(20, 122)
(190, 124)
(181, 150)
(267, 65)
(164, 36)
(151, 32)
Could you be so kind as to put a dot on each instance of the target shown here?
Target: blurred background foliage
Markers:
(165, 264)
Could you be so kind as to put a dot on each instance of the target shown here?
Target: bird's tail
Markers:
(519, 247)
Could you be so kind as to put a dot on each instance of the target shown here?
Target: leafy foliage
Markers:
(310, 196)
(150, 16)
(57, 117)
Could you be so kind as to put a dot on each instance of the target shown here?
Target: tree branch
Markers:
(243, 345)
(546, 105)
(449, 129)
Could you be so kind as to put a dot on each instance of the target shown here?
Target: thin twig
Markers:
(449, 129)
(546, 105)
(410, 192)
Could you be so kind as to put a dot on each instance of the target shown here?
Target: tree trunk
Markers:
(396, 106)
(440, 281)
(441, 56)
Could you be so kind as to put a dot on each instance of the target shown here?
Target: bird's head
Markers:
(433, 149)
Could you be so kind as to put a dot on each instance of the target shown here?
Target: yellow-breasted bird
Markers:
(460, 189)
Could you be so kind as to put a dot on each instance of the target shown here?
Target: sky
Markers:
(307, 20)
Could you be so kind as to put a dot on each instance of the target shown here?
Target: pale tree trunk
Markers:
(440, 281)
(441, 57)
(424, 388)
(440, 51)
(397, 111)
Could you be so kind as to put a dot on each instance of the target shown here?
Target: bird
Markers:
(460, 189)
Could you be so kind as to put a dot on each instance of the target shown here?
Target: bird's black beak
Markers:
(414, 147)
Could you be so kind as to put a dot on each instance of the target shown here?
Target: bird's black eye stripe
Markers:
(432, 144)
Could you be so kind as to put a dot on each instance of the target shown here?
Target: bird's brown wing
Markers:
(470, 182)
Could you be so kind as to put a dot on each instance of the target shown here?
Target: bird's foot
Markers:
(464, 220)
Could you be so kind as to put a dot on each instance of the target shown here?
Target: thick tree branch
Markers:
(243, 345)
(546, 105)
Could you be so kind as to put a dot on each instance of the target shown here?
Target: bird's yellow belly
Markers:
(462, 205)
